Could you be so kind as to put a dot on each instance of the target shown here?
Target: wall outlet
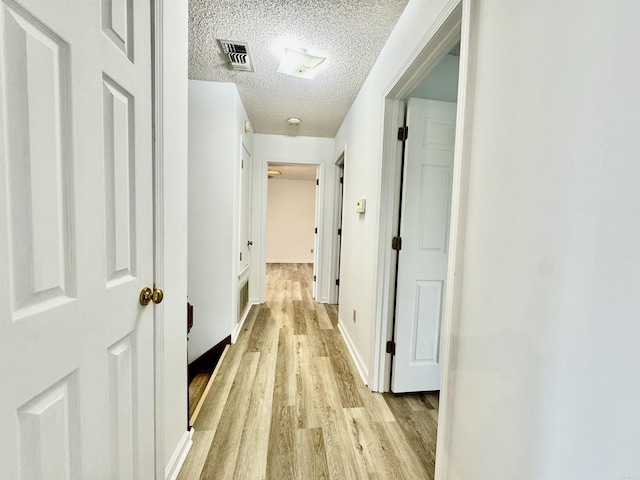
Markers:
(354, 314)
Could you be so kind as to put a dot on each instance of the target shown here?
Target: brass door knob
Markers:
(157, 296)
(145, 296)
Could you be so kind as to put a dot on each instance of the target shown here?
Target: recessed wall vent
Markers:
(238, 55)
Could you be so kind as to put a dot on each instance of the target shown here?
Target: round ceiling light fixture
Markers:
(294, 121)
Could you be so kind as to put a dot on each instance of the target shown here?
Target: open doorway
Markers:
(423, 228)
(451, 30)
(291, 221)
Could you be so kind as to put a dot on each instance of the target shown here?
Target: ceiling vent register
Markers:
(238, 55)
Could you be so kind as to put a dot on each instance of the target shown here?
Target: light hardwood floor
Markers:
(288, 403)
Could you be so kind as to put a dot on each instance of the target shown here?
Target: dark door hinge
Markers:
(341, 179)
(317, 181)
(316, 229)
(391, 347)
(339, 231)
(403, 133)
(314, 278)
(396, 243)
(337, 282)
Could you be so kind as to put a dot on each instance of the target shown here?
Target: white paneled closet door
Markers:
(76, 240)
(422, 260)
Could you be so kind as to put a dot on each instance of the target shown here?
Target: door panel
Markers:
(422, 262)
(75, 240)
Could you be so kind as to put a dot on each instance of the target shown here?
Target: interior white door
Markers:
(245, 211)
(422, 260)
(76, 347)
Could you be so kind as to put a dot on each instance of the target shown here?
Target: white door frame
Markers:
(454, 24)
(158, 227)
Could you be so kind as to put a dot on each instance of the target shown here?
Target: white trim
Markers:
(179, 455)
(459, 203)
(388, 224)
(357, 359)
(158, 227)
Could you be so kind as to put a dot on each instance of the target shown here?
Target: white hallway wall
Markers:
(288, 149)
(550, 302)
(291, 210)
(216, 133)
(544, 380)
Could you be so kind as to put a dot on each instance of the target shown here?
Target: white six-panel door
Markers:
(76, 347)
(422, 261)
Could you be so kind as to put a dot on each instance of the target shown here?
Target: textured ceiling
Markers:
(350, 33)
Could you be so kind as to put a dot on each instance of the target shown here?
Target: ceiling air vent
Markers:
(238, 55)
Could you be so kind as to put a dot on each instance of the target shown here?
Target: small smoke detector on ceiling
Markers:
(238, 55)
(294, 121)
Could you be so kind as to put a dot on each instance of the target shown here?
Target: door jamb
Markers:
(455, 23)
(158, 226)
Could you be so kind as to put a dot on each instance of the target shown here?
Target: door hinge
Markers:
(316, 229)
(391, 347)
(403, 133)
(317, 181)
(339, 231)
(341, 179)
(240, 256)
(337, 282)
(314, 278)
(396, 243)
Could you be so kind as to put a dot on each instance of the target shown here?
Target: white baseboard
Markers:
(357, 359)
(179, 455)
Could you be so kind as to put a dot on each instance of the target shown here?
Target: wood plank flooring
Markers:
(196, 389)
(288, 403)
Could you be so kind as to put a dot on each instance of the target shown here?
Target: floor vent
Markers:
(238, 55)
(243, 299)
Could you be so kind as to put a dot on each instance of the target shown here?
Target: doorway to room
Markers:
(423, 233)
(292, 216)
